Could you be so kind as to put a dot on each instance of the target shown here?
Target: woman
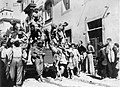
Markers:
(102, 63)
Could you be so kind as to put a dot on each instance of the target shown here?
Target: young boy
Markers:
(70, 65)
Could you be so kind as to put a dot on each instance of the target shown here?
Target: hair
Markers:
(109, 39)
(31, 25)
(116, 44)
(81, 41)
(72, 44)
(40, 44)
(17, 43)
(58, 52)
(9, 44)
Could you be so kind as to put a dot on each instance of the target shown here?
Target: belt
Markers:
(17, 57)
(3, 58)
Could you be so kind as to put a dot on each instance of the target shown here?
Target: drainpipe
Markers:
(103, 25)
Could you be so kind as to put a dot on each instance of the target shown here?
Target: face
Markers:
(32, 27)
(73, 46)
(107, 41)
(79, 43)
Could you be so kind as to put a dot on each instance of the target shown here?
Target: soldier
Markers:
(37, 54)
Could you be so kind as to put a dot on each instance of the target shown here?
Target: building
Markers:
(5, 14)
(6, 17)
(93, 20)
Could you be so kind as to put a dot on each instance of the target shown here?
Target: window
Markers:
(2, 13)
(6, 13)
(95, 24)
(48, 11)
(69, 35)
(66, 4)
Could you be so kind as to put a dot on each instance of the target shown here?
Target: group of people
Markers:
(73, 58)
(108, 60)
(16, 47)
(69, 58)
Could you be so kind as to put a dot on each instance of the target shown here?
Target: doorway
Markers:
(95, 34)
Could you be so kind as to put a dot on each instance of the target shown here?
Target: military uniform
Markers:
(37, 55)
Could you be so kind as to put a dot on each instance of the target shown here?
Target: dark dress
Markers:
(100, 66)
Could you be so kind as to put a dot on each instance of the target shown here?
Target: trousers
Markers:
(90, 64)
(16, 69)
(39, 65)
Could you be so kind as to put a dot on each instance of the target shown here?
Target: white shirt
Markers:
(63, 59)
(4, 53)
(17, 51)
(75, 53)
(9, 52)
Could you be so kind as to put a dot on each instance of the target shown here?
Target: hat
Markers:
(40, 44)
(116, 44)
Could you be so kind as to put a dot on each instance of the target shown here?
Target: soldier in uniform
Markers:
(37, 55)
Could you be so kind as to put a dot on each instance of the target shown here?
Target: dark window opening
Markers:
(66, 4)
(48, 11)
(69, 35)
(95, 24)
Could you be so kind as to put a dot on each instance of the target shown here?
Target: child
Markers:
(70, 66)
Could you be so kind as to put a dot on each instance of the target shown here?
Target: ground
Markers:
(84, 80)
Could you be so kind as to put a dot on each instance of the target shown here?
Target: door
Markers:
(95, 38)
(94, 42)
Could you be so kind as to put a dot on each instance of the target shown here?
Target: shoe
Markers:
(78, 75)
(41, 80)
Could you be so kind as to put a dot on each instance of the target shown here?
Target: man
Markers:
(35, 33)
(116, 62)
(110, 56)
(3, 62)
(16, 65)
(82, 50)
(90, 51)
(37, 54)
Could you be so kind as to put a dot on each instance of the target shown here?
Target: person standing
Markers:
(110, 56)
(102, 62)
(3, 63)
(90, 51)
(116, 62)
(37, 54)
(3, 53)
(70, 66)
(16, 66)
(82, 52)
(76, 58)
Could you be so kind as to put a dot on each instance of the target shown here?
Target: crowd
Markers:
(69, 58)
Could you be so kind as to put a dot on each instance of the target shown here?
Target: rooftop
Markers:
(6, 9)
